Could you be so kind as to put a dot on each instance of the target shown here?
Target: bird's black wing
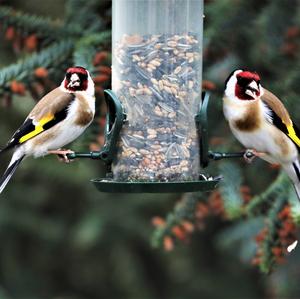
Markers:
(291, 131)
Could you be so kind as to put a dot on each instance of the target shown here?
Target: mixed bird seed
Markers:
(157, 77)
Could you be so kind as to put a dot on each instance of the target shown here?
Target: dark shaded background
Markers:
(60, 238)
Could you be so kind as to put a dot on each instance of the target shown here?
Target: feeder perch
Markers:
(156, 135)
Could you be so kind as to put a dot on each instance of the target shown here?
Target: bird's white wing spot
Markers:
(267, 113)
(291, 247)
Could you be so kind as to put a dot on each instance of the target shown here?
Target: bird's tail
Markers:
(13, 165)
(293, 171)
(297, 188)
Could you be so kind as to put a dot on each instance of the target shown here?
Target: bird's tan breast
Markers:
(250, 120)
(246, 116)
(284, 144)
(86, 114)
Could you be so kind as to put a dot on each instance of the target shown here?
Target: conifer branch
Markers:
(41, 26)
(263, 201)
(86, 48)
(184, 211)
(47, 58)
(83, 13)
(271, 240)
(230, 189)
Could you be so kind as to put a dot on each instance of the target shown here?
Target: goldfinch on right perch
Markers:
(259, 120)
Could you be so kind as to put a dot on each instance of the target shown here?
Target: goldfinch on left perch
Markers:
(58, 118)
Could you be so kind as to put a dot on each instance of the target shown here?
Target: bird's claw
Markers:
(62, 157)
(62, 154)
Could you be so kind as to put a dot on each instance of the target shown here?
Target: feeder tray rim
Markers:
(112, 186)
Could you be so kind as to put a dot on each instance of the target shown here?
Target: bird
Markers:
(261, 123)
(60, 117)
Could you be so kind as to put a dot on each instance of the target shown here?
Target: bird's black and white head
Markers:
(243, 85)
(77, 78)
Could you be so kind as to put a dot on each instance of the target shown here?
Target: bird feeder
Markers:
(156, 133)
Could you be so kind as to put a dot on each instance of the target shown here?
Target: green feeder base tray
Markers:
(111, 186)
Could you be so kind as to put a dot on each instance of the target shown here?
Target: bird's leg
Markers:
(62, 154)
(251, 154)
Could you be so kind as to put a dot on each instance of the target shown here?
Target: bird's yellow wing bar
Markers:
(38, 128)
(292, 134)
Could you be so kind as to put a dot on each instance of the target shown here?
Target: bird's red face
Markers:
(247, 86)
(76, 79)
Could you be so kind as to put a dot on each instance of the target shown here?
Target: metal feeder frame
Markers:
(115, 117)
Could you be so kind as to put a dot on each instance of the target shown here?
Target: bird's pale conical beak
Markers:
(74, 81)
(252, 89)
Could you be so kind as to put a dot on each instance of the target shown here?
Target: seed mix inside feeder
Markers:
(157, 79)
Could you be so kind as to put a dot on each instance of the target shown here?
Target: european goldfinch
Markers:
(58, 118)
(259, 120)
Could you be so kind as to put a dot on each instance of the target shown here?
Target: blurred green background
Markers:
(62, 239)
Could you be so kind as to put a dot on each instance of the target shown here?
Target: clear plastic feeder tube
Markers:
(157, 68)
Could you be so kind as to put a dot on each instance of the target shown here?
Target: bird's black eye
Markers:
(68, 76)
(82, 77)
(242, 81)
